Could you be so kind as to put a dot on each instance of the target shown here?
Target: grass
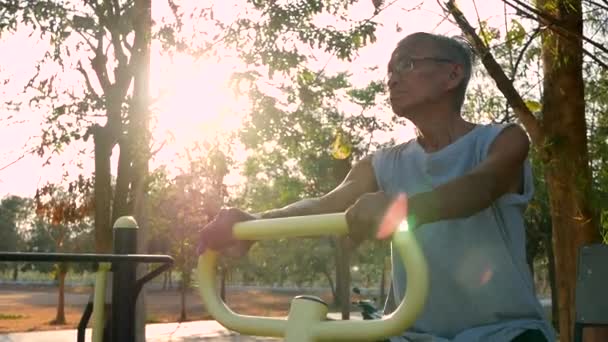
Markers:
(10, 316)
(153, 319)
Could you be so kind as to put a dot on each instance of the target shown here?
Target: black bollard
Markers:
(124, 279)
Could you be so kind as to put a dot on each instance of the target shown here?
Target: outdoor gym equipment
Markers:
(368, 307)
(307, 319)
(125, 286)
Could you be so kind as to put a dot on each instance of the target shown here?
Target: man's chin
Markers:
(401, 112)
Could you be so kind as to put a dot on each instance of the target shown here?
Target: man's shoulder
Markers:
(395, 147)
(499, 127)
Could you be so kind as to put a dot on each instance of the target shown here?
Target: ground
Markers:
(29, 308)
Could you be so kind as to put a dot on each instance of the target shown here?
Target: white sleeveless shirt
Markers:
(480, 286)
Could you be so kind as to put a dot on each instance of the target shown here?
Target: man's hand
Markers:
(217, 234)
(375, 215)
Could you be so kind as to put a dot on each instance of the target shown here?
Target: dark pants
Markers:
(530, 336)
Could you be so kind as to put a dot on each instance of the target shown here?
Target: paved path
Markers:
(164, 332)
(169, 332)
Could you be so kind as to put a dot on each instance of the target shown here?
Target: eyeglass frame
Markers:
(411, 61)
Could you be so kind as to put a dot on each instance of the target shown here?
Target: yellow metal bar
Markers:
(299, 226)
(248, 325)
(99, 300)
(406, 313)
(321, 330)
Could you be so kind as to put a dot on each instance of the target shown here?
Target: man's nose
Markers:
(391, 81)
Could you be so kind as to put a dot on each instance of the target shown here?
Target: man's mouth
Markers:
(394, 97)
(397, 93)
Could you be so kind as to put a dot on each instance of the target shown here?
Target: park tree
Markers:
(306, 152)
(105, 45)
(64, 214)
(158, 223)
(186, 202)
(557, 127)
(295, 120)
(14, 214)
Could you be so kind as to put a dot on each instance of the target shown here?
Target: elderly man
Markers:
(467, 186)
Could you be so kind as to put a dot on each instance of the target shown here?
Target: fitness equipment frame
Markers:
(125, 285)
(307, 319)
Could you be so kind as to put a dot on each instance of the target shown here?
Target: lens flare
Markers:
(395, 218)
(404, 226)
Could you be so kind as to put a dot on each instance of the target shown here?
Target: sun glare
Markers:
(194, 103)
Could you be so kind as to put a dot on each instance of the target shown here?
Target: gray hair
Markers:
(456, 49)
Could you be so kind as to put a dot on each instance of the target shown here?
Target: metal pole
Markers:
(100, 301)
(125, 278)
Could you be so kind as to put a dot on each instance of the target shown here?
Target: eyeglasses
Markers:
(404, 65)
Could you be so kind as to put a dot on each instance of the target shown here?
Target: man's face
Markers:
(418, 75)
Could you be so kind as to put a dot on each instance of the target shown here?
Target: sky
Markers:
(194, 100)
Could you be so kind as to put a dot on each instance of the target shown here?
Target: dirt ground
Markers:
(27, 308)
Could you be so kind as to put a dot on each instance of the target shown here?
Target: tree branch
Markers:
(116, 7)
(87, 40)
(158, 149)
(98, 63)
(13, 162)
(502, 81)
(87, 80)
(122, 73)
(510, 46)
(122, 77)
(25, 153)
(596, 4)
(562, 32)
(553, 24)
(523, 50)
(481, 28)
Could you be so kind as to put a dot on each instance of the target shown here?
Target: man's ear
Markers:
(455, 76)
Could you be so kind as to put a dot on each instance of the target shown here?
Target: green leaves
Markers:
(271, 41)
(516, 34)
(533, 106)
(487, 33)
(366, 97)
(341, 147)
(82, 23)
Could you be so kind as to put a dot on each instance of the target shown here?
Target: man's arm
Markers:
(500, 173)
(360, 180)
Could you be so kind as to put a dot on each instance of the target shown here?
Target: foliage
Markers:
(92, 81)
(63, 216)
(558, 126)
(63, 219)
(14, 213)
(306, 126)
(185, 203)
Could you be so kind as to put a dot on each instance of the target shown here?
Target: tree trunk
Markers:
(120, 205)
(567, 168)
(139, 139)
(332, 287)
(15, 271)
(530, 257)
(553, 285)
(343, 277)
(223, 276)
(183, 316)
(167, 285)
(246, 277)
(103, 189)
(382, 283)
(60, 317)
